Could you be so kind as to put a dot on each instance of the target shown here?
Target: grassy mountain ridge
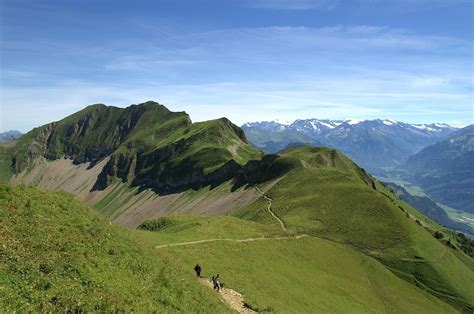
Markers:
(58, 255)
(143, 141)
(94, 132)
(328, 196)
(172, 166)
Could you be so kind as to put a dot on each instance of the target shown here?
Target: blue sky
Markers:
(407, 60)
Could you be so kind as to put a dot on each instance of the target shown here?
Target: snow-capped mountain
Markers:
(314, 125)
(372, 143)
(395, 128)
(321, 126)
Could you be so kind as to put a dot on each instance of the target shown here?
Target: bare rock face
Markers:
(35, 149)
(159, 172)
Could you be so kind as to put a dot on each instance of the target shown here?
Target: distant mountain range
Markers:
(371, 143)
(9, 136)
(445, 170)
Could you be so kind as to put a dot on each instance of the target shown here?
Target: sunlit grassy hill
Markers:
(281, 273)
(328, 196)
(57, 255)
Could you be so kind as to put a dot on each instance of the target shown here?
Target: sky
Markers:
(247, 60)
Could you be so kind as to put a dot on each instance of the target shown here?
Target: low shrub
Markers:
(156, 224)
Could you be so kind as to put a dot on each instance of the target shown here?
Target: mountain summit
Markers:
(145, 145)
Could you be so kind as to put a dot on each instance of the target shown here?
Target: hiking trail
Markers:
(231, 297)
(230, 240)
(441, 255)
(269, 208)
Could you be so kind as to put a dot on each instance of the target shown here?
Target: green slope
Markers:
(5, 163)
(328, 196)
(289, 275)
(57, 255)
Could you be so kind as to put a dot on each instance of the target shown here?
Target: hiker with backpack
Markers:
(216, 282)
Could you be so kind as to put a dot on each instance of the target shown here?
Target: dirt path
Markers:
(231, 297)
(229, 240)
(441, 255)
(270, 208)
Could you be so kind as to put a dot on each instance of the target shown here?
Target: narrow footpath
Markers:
(231, 297)
(269, 208)
(230, 240)
(441, 255)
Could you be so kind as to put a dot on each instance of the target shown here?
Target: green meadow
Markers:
(56, 255)
(350, 245)
(289, 275)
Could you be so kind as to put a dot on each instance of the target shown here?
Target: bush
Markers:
(466, 244)
(156, 224)
(451, 245)
(438, 235)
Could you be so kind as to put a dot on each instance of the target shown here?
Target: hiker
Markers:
(197, 269)
(216, 282)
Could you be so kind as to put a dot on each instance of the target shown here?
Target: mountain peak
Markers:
(389, 122)
(353, 121)
(135, 140)
(9, 135)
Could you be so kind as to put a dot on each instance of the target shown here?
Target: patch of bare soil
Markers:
(128, 208)
(231, 297)
(63, 175)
